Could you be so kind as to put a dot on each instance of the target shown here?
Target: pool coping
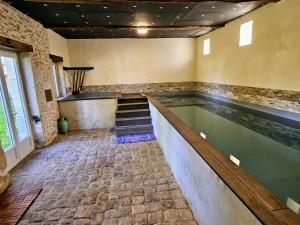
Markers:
(93, 96)
(260, 201)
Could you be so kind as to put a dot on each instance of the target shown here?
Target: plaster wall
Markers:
(134, 61)
(271, 61)
(210, 199)
(89, 114)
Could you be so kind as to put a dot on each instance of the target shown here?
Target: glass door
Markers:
(16, 137)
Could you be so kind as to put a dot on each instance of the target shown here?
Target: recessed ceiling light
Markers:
(202, 15)
(213, 7)
(161, 7)
(77, 6)
(82, 16)
(186, 7)
(177, 17)
(57, 14)
(105, 7)
(142, 31)
(134, 6)
(45, 5)
(65, 22)
(108, 16)
(92, 30)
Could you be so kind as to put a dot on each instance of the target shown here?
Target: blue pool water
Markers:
(267, 150)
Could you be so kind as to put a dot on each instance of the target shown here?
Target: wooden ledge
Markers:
(13, 45)
(265, 205)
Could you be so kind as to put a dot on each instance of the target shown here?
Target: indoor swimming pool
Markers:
(265, 149)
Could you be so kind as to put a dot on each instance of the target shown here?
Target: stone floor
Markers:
(88, 179)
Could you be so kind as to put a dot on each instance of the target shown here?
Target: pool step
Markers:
(134, 129)
(132, 113)
(132, 100)
(133, 121)
(132, 106)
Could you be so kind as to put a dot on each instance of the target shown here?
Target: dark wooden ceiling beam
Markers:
(91, 27)
(136, 1)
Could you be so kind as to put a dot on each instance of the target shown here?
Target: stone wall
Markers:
(17, 26)
(146, 87)
(4, 176)
(279, 99)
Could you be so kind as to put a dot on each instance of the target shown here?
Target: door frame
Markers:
(15, 150)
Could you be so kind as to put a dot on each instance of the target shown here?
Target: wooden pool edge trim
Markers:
(264, 205)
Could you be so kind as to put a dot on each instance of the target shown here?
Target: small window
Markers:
(246, 33)
(206, 47)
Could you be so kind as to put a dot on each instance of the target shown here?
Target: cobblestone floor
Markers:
(88, 179)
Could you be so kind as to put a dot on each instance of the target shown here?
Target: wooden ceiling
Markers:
(121, 18)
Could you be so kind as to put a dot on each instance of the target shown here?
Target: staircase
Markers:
(133, 115)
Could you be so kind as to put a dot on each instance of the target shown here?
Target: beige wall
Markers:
(129, 61)
(273, 59)
(58, 46)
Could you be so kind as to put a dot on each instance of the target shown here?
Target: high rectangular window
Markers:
(206, 47)
(246, 33)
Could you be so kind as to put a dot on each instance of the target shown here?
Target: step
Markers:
(132, 113)
(135, 105)
(132, 100)
(134, 129)
(133, 121)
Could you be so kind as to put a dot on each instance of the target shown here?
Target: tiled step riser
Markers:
(132, 107)
(130, 131)
(132, 114)
(131, 100)
(133, 122)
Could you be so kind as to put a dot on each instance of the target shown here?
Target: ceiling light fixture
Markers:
(108, 16)
(105, 7)
(134, 6)
(186, 7)
(142, 31)
(161, 7)
(56, 14)
(77, 6)
(45, 5)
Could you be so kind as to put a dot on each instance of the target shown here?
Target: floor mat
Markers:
(13, 204)
(135, 138)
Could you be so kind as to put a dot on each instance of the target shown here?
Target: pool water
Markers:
(268, 151)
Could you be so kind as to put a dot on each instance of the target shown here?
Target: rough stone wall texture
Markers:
(4, 176)
(280, 99)
(146, 87)
(16, 25)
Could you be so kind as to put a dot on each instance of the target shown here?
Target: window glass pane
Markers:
(5, 137)
(14, 91)
(206, 47)
(246, 33)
